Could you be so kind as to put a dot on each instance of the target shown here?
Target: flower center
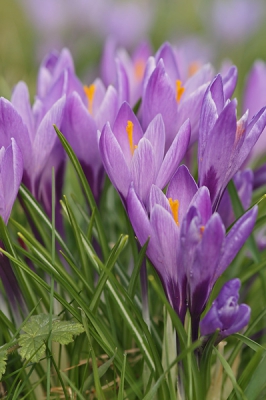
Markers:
(193, 68)
(174, 205)
(179, 90)
(139, 69)
(129, 129)
(90, 92)
(202, 228)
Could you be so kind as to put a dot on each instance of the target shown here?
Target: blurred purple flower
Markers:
(224, 142)
(129, 155)
(188, 244)
(226, 314)
(254, 99)
(233, 21)
(57, 21)
(124, 72)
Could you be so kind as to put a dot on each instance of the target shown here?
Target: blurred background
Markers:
(207, 30)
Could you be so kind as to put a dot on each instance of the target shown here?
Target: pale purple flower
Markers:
(233, 21)
(225, 314)
(254, 99)
(123, 71)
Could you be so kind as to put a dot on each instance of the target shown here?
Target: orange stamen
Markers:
(174, 205)
(179, 90)
(193, 68)
(129, 129)
(90, 92)
(139, 69)
(202, 228)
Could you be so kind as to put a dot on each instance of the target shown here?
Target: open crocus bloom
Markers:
(129, 155)
(224, 142)
(82, 118)
(188, 245)
(226, 314)
(165, 93)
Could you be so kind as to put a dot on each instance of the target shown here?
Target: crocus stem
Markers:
(144, 293)
(195, 327)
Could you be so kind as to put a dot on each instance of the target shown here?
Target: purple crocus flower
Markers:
(124, 72)
(188, 244)
(129, 155)
(165, 93)
(41, 149)
(224, 142)
(82, 119)
(226, 314)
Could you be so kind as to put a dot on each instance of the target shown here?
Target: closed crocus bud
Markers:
(226, 314)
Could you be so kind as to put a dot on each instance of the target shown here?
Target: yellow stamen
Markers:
(139, 69)
(193, 68)
(179, 90)
(129, 129)
(202, 228)
(174, 205)
(90, 92)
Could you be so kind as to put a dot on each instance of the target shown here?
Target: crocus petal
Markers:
(114, 161)
(143, 169)
(108, 109)
(235, 239)
(80, 130)
(12, 125)
(241, 320)
(210, 322)
(229, 82)
(167, 234)
(155, 133)
(174, 155)
(122, 83)
(142, 227)
(11, 175)
(158, 197)
(166, 53)
(192, 102)
(21, 101)
(255, 91)
(45, 137)
(214, 165)
(206, 259)
(212, 105)
(253, 132)
(201, 78)
(201, 201)
(182, 187)
(124, 115)
(159, 98)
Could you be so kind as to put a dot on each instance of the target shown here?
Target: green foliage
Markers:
(3, 358)
(37, 331)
